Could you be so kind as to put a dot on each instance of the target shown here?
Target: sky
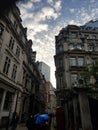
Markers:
(45, 18)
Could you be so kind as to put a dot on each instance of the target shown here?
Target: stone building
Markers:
(51, 103)
(77, 46)
(21, 82)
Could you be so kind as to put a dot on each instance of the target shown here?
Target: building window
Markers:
(93, 36)
(17, 51)
(11, 43)
(15, 25)
(6, 65)
(24, 77)
(26, 81)
(60, 62)
(8, 101)
(1, 95)
(73, 34)
(70, 46)
(80, 61)
(1, 29)
(59, 49)
(74, 79)
(79, 47)
(94, 61)
(73, 61)
(60, 82)
(14, 72)
(91, 47)
(86, 36)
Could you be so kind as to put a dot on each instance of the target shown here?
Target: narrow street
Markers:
(19, 127)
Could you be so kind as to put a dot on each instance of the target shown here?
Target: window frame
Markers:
(6, 65)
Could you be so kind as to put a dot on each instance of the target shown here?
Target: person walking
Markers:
(30, 123)
(14, 121)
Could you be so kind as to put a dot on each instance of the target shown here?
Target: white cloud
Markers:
(94, 12)
(72, 22)
(57, 6)
(50, 2)
(72, 10)
(26, 5)
(83, 15)
(92, 1)
(26, 15)
(37, 27)
(49, 13)
(45, 13)
(35, 1)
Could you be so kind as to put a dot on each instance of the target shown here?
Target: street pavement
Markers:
(19, 127)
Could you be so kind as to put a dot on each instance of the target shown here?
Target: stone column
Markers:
(85, 111)
(75, 112)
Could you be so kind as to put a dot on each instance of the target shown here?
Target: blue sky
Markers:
(45, 18)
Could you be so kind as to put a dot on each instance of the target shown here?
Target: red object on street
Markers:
(60, 118)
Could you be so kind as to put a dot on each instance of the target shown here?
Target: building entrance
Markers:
(94, 112)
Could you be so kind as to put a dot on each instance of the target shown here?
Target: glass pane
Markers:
(80, 47)
(8, 100)
(73, 61)
(1, 95)
(74, 79)
(71, 47)
(80, 61)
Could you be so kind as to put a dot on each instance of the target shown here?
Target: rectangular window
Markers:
(80, 61)
(70, 46)
(73, 34)
(73, 61)
(17, 51)
(1, 95)
(74, 79)
(86, 36)
(94, 61)
(14, 72)
(91, 47)
(6, 65)
(11, 43)
(79, 46)
(93, 36)
(60, 63)
(8, 101)
(61, 82)
(24, 77)
(15, 25)
(59, 49)
(26, 81)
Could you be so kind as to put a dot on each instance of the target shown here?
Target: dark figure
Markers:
(14, 121)
(42, 122)
(30, 123)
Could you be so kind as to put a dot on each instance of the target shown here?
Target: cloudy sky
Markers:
(45, 18)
